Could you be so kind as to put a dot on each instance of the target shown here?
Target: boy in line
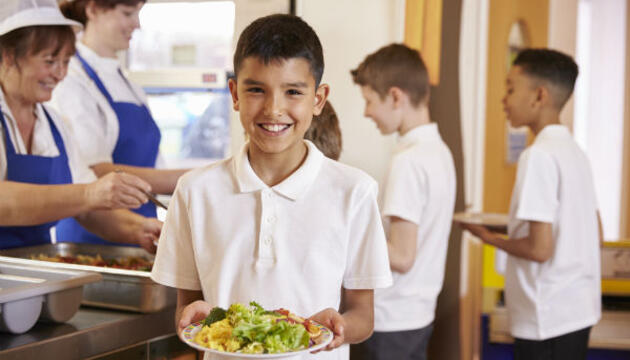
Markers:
(552, 279)
(418, 201)
(278, 223)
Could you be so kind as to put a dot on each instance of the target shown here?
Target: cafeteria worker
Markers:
(42, 177)
(108, 113)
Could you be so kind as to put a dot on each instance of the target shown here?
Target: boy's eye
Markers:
(294, 92)
(254, 90)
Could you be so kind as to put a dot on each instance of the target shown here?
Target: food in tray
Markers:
(126, 262)
(254, 330)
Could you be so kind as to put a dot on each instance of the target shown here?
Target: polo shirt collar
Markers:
(418, 134)
(553, 131)
(292, 187)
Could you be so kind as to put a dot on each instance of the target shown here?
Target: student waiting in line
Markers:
(278, 223)
(418, 201)
(552, 279)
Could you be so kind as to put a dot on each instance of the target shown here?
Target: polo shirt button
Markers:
(270, 219)
(268, 240)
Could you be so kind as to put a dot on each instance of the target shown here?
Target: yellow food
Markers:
(218, 336)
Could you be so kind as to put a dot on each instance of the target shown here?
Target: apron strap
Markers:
(55, 133)
(92, 74)
(8, 144)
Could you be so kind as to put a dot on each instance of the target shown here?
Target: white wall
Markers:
(599, 97)
(562, 37)
(374, 23)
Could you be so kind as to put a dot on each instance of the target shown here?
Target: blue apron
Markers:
(137, 145)
(33, 169)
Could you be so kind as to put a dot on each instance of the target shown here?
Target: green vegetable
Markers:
(216, 314)
(259, 331)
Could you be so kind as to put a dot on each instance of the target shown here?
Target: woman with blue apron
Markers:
(114, 127)
(42, 178)
(33, 169)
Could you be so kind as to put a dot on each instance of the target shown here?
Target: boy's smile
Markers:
(381, 111)
(276, 102)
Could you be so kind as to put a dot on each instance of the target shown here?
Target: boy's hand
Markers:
(193, 312)
(331, 319)
(479, 231)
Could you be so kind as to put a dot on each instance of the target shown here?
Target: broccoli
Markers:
(216, 314)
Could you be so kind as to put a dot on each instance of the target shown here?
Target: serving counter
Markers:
(99, 334)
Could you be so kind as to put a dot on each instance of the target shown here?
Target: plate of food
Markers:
(244, 331)
(494, 221)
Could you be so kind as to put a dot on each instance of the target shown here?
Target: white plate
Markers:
(486, 219)
(188, 334)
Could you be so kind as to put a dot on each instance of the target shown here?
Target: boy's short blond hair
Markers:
(395, 65)
(325, 132)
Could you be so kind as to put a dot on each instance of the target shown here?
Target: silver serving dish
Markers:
(120, 289)
(29, 293)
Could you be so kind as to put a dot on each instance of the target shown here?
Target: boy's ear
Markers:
(321, 95)
(542, 96)
(398, 96)
(234, 93)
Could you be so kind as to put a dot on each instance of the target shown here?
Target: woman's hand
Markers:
(193, 312)
(333, 320)
(117, 190)
(148, 233)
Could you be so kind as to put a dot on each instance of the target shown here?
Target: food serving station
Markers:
(124, 314)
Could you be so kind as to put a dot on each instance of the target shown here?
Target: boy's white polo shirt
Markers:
(293, 245)
(421, 189)
(554, 185)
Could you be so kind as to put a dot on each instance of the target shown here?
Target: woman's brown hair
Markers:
(75, 9)
(31, 40)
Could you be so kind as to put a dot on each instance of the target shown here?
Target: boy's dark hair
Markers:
(280, 37)
(395, 65)
(552, 66)
(325, 132)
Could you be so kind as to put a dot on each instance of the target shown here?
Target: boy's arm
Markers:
(356, 322)
(190, 308)
(401, 244)
(538, 246)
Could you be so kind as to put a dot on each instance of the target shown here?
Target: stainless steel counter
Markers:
(89, 333)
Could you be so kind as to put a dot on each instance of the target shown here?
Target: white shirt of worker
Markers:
(420, 188)
(82, 105)
(554, 184)
(293, 245)
(43, 143)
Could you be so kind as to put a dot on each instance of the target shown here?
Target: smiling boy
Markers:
(278, 222)
(552, 279)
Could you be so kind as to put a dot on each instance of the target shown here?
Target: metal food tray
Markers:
(120, 289)
(29, 293)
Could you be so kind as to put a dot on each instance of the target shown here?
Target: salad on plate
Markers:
(253, 330)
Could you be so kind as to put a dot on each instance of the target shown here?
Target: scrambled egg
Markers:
(218, 336)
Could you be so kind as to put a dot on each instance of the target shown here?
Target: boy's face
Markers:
(381, 111)
(276, 102)
(520, 102)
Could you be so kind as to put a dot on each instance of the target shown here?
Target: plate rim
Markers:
(476, 218)
(198, 325)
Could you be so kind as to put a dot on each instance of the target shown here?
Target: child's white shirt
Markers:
(420, 188)
(293, 245)
(554, 184)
